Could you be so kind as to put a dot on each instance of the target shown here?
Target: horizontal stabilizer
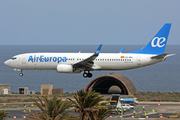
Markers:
(170, 55)
(159, 56)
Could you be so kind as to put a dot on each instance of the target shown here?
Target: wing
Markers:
(88, 62)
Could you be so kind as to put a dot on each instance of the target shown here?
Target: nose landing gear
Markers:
(85, 75)
(21, 74)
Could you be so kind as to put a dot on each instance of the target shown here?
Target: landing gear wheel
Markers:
(85, 75)
(89, 75)
(21, 74)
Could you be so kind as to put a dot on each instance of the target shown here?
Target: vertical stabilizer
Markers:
(158, 42)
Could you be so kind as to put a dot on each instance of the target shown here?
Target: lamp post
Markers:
(122, 110)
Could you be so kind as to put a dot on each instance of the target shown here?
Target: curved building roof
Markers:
(112, 84)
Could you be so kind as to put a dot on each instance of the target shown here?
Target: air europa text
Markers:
(42, 58)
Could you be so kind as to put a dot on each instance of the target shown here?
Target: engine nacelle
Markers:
(63, 68)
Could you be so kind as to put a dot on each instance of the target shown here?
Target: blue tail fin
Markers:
(158, 42)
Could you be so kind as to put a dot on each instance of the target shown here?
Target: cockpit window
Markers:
(13, 58)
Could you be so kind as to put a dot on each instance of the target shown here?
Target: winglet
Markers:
(122, 50)
(98, 50)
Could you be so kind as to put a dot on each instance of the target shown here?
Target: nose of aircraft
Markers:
(7, 63)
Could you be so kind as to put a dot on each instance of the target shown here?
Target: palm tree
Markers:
(103, 113)
(3, 115)
(51, 109)
(87, 103)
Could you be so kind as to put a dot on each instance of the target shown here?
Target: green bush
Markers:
(2, 101)
(28, 100)
(3, 115)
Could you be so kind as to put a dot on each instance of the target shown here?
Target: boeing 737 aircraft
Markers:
(152, 53)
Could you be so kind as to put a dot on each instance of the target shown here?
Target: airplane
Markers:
(151, 54)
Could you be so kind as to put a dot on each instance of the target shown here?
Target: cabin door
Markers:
(24, 59)
(139, 60)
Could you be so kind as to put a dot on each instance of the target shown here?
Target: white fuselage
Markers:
(105, 61)
(152, 53)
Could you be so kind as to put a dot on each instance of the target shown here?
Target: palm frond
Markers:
(51, 109)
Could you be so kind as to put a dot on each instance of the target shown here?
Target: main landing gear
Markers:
(85, 75)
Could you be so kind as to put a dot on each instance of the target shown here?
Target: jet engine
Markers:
(63, 68)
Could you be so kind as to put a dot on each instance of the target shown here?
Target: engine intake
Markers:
(63, 68)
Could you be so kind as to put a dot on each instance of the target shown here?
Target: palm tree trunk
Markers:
(82, 116)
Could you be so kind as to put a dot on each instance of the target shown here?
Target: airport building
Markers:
(112, 84)
(47, 89)
(24, 91)
(4, 89)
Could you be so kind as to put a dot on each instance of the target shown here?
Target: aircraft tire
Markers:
(21, 74)
(85, 75)
(89, 75)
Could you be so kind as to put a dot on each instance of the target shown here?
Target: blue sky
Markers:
(86, 22)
